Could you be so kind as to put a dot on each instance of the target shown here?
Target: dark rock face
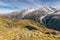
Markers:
(52, 21)
(54, 33)
(31, 28)
(47, 33)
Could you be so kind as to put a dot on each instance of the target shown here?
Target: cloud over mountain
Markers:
(22, 4)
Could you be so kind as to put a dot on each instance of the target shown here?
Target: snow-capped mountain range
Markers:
(30, 12)
(48, 16)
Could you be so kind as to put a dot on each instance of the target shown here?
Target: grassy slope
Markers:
(15, 30)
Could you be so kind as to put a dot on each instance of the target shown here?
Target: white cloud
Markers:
(34, 2)
(19, 4)
(2, 11)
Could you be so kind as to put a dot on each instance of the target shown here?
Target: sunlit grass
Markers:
(11, 29)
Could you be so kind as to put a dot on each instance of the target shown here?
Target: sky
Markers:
(7, 6)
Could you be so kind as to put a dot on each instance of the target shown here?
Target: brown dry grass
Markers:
(15, 30)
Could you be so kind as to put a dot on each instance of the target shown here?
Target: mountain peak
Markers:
(48, 8)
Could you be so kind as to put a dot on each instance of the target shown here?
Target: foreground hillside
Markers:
(24, 30)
